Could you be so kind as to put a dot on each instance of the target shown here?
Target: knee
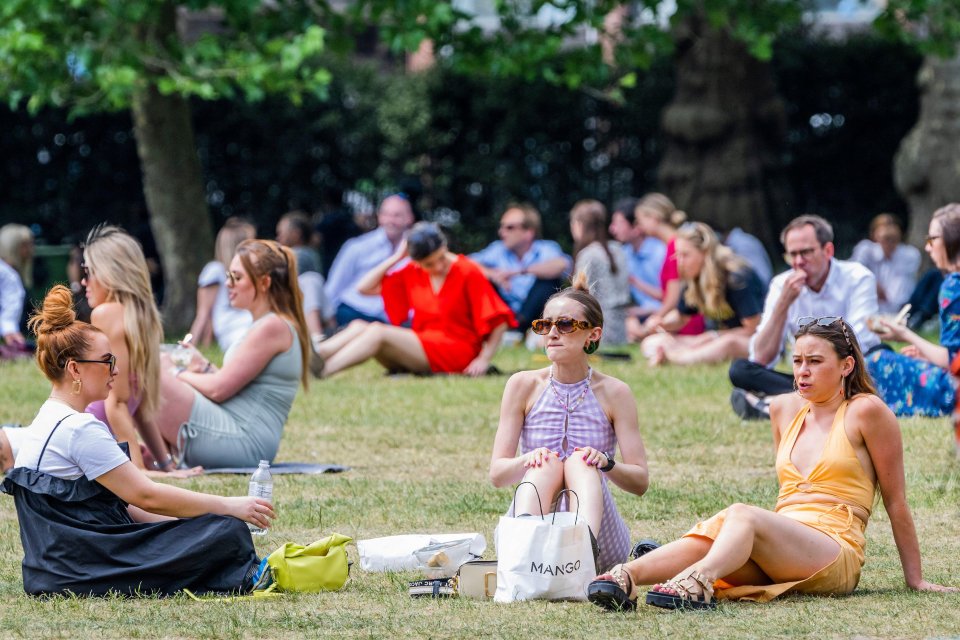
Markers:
(576, 464)
(740, 373)
(358, 324)
(551, 471)
(742, 513)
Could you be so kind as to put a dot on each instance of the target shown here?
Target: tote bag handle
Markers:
(539, 501)
(557, 504)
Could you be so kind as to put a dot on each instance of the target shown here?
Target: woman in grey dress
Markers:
(234, 415)
(605, 265)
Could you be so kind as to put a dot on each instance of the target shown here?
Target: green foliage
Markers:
(93, 55)
(931, 25)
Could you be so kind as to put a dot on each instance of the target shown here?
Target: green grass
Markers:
(419, 450)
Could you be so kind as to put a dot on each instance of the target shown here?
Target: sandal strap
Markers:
(681, 585)
(624, 581)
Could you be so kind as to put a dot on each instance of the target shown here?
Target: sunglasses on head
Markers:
(542, 326)
(825, 321)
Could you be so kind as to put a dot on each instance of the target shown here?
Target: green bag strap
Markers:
(259, 594)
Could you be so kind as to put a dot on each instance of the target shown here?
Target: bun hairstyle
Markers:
(844, 341)
(60, 336)
(116, 260)
(424, 238)
(579, 291)
(660, 208)
(269, 258)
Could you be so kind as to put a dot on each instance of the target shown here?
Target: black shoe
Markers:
(643, 547)
(749, 406)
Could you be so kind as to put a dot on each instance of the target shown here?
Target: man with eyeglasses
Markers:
(524, 269)
(817, 285)
(361, 254)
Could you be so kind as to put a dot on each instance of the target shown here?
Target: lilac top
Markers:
(549, 424)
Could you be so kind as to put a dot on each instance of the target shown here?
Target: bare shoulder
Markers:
(869, 408)
(272, 330)
(786, 404)
(108, 316)
(526, 381)
(610, 387)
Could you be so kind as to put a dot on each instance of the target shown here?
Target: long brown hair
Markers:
(592, 216)
(841, 337)
(269, 258)
(60, 336)
(708, 291)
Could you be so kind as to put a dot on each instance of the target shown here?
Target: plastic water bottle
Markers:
(261, 486)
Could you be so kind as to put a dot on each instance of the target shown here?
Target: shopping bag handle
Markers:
(557, 504)
(539, 501)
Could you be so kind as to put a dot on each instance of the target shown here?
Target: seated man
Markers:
(361, 254)
(816, 285)
(645, 255)
(524, 269)
(893, 263)
(748, 247)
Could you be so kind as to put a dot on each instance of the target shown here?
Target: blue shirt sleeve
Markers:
(950, 314)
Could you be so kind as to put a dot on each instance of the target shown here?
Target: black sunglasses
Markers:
(825, 321)
(542, 327)
(110, 360)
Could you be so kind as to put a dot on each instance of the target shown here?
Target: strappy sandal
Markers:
(616, 592)
(684, 596)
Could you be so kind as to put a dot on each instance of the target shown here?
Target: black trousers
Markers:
(754, 377)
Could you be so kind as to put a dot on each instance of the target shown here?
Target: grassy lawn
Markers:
(419, 450)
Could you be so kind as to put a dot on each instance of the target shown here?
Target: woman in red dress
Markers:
(457, 317)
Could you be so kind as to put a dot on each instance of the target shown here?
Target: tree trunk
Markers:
(724, 131)
(173, 186)
(927, 165)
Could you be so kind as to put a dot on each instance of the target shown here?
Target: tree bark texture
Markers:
(927, 165)
(724, 130)
(173, 187)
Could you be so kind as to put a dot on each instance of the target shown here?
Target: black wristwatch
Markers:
(611, 463)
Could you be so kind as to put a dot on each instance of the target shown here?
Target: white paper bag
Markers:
(396, 553)
(548, 558)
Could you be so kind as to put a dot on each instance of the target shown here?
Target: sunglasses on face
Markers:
(84, 269)
(110, 360)
(930, 239)
(542, 326)
(232, 278)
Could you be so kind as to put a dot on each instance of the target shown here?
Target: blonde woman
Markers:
(717, 284)
(659, 218)
(118, 289)
(215, 317)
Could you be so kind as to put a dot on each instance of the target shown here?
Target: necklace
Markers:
(566, 405)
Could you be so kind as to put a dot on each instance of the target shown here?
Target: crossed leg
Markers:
(754, 546)
(393, 347)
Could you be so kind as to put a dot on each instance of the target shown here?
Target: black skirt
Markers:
(78, 538)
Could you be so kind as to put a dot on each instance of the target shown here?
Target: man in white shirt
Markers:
(893, 263)
(817, 285)
(359, 255)
(12, 295)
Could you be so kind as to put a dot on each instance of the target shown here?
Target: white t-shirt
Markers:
(81, 446)
(229, 324)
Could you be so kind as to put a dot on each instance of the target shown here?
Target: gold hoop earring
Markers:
(77, 386)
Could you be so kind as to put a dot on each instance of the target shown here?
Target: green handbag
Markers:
(320, 566)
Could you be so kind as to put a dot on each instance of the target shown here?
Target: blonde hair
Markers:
(60, 336)
(12, 237)
(269, 258)
(708, 291)
(234, 231)
(116, 260)
(660, 208)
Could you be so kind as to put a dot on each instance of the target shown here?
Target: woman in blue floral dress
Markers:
(916, 382)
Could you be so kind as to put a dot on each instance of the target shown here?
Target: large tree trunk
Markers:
(724, 130)
(927, 166)
(173, 186)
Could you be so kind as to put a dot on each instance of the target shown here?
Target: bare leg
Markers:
(548, 480)
(342, 338)
(720, 349)
(6, 453)
(585, 481)
(394, 345)
(176, 403)
(667, 561)
(669, 342)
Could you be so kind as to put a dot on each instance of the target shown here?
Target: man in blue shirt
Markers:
(359, 255)
(524, 269)
(645, 255)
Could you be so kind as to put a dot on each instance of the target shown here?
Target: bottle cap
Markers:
(264, 463)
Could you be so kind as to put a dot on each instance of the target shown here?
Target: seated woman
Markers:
(568, 421)
(215, 317)
(234, 416)
(717, 284)
(604, 264)
(917, 382)
(90, 521)
(837, 443)
(458, 318)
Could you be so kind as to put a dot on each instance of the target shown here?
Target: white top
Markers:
(850, 291)
(15, 436)
(357, 256)
(81, 446)
(897, 275)
(12, 295)
(229, 324)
